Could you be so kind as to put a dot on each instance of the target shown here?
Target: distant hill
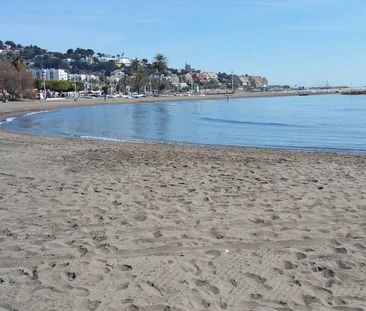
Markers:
(87, 61)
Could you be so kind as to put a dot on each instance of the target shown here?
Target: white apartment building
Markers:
(49, 74)
(116, 60)
(81, 77)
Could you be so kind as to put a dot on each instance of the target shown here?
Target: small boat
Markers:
(304, 93)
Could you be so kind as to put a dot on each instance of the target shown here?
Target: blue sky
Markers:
(299, 42)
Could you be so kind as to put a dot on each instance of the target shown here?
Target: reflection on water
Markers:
(318, 122)
(161, 120)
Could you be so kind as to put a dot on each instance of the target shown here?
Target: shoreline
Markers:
(15, 109)
(215, 147)
(10, 109)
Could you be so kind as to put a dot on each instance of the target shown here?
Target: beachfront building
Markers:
(50, 74)
(121, 61)
(87, 80)
(39, 74)
(81, 77)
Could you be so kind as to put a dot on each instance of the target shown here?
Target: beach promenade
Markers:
(91, 225)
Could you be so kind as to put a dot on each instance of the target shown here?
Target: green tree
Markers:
(58, 85)
(89, 52)
(212, 84)
(139, 74)
(104, 83)
(160, 64)
(11, 44)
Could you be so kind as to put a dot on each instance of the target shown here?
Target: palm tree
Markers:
(135, 64)
(139, 73)
(104, 82)
(19, 64)
(18, 61)
(160, 64)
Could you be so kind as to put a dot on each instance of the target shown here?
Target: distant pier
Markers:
(354, 92)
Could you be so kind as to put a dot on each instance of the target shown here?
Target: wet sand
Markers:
(89, 225)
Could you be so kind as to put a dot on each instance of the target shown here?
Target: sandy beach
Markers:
(90, 225)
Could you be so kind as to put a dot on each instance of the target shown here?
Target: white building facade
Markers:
(82, 77)
(49, 74)
(117, 60)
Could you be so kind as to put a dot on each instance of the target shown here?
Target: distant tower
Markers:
(188, 67)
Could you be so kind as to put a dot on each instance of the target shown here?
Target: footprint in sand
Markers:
(256, 296)
(126, 267)
(256, 277)
(213, 289)
(158, 234)
(93, 304)
(213, 252)
(80, 291)
(223, 305)
(340, 250)
(327, 273)
(234, 283)
(123, 286)
(133, 308)
(140, 217)
(360, 246)
(289, 265)
(216, 234)
(197, 268)
(300, 256)
(150, 288)
(308, 300)
(212, 267)
(344, 265)
(82, 250)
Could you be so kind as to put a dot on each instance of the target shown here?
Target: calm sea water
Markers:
(331, 122)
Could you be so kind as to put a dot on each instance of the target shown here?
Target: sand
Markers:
(89, 225)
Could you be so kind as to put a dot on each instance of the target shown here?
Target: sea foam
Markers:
(35, 112)
(111, 139)
(7, 120)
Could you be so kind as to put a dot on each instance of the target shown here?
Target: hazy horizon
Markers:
(299, 42)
